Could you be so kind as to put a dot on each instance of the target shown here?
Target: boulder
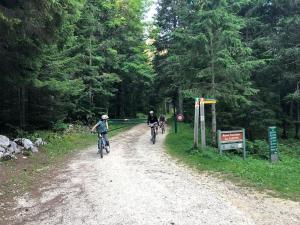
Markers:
(34, 149)
(39, 142)
(24, 142)
(2, 149)
(27, 144)
(7, 156)
(13, 147)
(18, 141)
(4, 141)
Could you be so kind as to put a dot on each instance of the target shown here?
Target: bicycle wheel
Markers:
(154, 136)
(106, 149)
(101, 148)
(163, 129)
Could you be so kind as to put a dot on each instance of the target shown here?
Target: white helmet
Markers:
(151, 112)
(104, 117)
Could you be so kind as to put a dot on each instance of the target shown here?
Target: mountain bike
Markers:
(153, 132)
(102, 145)
(162, 127)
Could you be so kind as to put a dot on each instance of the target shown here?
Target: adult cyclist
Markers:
(152, 119)
(102, 126)
(162, 119)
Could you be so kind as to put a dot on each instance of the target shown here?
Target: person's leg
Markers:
(106, 139)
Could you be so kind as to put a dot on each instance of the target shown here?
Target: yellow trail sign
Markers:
(210, 101)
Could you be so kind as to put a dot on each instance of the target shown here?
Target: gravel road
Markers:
(138, 183)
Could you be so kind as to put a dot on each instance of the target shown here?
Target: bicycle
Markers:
(153, 132)
(102, 145)
(162, 127)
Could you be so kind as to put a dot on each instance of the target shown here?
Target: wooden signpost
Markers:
(202, 123)
(196, 123)
(200, 103)
(273, 144)
(228, 140)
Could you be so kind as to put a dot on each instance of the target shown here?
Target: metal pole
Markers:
(202, 122)
(196, 123)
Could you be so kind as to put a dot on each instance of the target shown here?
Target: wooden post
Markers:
(196, 127)
(219, 142)
(202, 124)
(244, 144)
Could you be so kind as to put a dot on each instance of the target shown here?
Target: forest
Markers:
(70, 60)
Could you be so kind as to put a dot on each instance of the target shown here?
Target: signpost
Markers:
(196, 123)
(273, 144)
(200, 104)
(202, 123)
(228, 140)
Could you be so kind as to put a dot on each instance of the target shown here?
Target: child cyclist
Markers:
(102, 126)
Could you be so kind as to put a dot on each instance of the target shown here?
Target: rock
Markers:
(7, 156)
(34, 149)
(13, 147)
(18, 141)
(24, 142)
(4, 141)
(39, 142)
(2, 149)
(27, 144)
(1, 155)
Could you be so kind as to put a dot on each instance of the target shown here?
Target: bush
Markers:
(59, 126)
(259, 148)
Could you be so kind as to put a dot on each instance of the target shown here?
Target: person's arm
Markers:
(148, 120)
(96, 125)
(107, 125)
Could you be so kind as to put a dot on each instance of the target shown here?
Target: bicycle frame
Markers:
(153, 131)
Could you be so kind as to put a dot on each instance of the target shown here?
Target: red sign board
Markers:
(232, 137)
(180, 117)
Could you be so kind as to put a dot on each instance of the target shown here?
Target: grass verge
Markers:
(16, 176)
(281, 179)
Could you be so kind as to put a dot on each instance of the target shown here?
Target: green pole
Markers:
(175, 120)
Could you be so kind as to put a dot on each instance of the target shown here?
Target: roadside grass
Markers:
(281, 179)
(17, 176)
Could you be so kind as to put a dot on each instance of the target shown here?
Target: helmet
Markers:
(151, 112)
(104, 117)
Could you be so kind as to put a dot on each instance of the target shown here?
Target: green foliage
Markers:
(67, 60)
(60, 126)
(258, 147)
(244, 53)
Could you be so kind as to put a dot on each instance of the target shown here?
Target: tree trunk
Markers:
(298, 122)
(22, 111)
(284, 134)
(180, 102)
(214, 124)
(213, 106)
(90, 65)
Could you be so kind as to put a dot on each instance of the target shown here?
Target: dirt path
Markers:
(137, 183)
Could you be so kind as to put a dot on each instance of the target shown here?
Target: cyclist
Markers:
(162, 119)
(102, 126)
(152, 119)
